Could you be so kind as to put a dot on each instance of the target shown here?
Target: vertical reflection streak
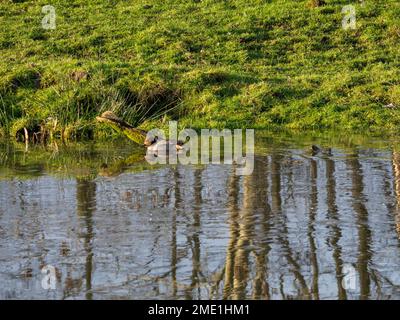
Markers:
(336, 231)
(260, 178)
(364, 233)
(396, 173)
(311, 227)
(241, 261)
(249, 228)
(233, 198)
(195, 238)
(276, 207)
(86, 202)
(174, 249)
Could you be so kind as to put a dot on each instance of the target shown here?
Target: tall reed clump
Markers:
(144, 103)
(4, 121)
(68, 110)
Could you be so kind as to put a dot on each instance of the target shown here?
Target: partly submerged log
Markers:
(134, 134)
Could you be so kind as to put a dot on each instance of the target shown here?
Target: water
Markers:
(113, 227)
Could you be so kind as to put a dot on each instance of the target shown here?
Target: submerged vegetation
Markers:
(87, 159)
(255, 63)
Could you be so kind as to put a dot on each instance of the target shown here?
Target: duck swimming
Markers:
(161, 147)
(154, 144)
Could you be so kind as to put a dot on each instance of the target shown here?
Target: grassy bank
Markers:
(253, 63)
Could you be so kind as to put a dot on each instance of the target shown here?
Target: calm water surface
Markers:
(302, 226)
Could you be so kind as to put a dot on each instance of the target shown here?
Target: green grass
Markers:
(211, 63)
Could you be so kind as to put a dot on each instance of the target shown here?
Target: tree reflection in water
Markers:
(288, 231)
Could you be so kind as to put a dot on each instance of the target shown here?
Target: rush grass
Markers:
(211, 63)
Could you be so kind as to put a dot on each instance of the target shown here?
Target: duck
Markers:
(319, 150)
(154, 145)
(161, 147)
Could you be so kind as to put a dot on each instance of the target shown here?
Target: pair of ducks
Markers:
(154, 144)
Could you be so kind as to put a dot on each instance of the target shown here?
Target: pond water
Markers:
(111, 226)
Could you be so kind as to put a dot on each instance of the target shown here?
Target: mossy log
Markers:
(136, 135)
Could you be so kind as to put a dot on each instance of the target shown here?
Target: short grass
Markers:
(207, 63)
